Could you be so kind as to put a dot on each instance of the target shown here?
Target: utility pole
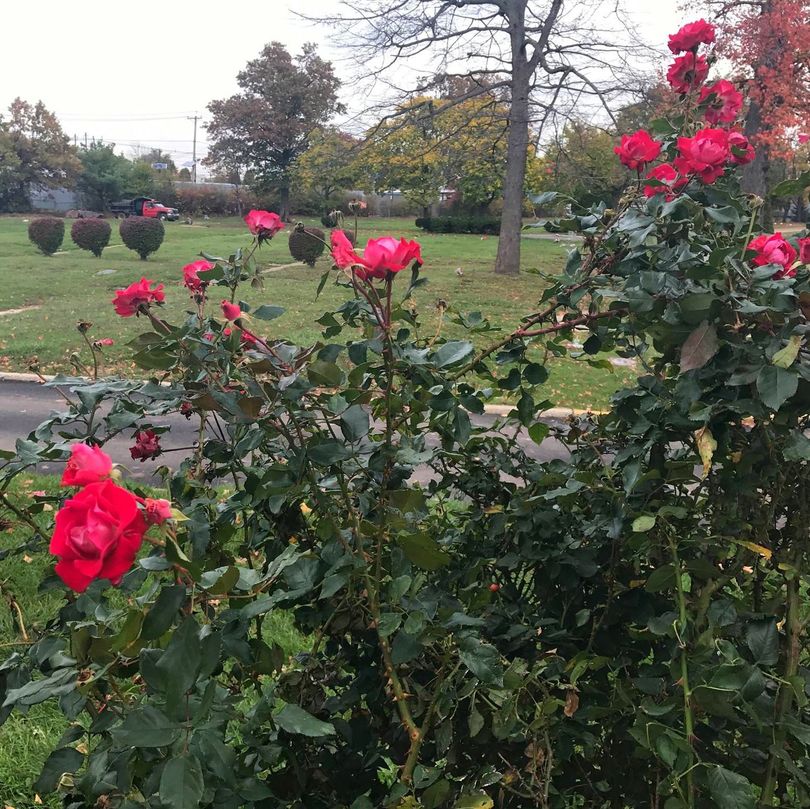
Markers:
(195, 118)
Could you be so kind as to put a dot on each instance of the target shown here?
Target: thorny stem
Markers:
(688, 716)
(92, 352)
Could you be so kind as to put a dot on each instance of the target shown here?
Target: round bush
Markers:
(144, 236)
(91, 234)
(47, 233)
(307, 245)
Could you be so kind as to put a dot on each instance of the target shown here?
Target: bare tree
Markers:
(546, 56)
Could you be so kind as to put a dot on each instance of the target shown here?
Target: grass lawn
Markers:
(73, 286)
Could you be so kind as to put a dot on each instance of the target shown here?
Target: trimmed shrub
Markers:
(144, 236)
(487, 225)
(91, 234)
(307, 245)
(47, 233)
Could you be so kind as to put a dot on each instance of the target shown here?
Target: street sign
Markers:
(160, 166)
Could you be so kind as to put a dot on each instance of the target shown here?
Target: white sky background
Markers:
(132, 73)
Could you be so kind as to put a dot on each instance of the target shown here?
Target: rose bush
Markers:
(622, 626)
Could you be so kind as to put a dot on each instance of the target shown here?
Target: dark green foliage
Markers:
(47, 233)
(91, 234)
(623, 626)
(307, 244)
(142, 235)
(460, 223)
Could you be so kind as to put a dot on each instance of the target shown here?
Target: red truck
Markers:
(143, 206)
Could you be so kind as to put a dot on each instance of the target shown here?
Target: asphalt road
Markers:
(24, 405)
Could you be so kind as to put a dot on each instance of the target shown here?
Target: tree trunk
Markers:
(517, 144)
(756, 174)
(284, 204)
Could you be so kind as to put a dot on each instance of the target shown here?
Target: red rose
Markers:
(191, 279)
(157, 510)
(231, 311)
(705, 154)
(86, 465)
(128, 302)
(774, 249)
(804, 137)
(342, 250)
(724, 102)
(97, 535)
(742, 151)
(638, 149)
(667, 174)
(147, 445)
(804, 250)
(687, 72)
(386, 254)
(264, 224)
(187, 409)
(691, 35)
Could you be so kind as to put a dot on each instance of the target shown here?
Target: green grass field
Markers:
(55, 292)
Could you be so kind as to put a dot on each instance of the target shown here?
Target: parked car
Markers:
(143, 206)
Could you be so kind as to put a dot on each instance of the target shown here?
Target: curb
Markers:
(552, 414)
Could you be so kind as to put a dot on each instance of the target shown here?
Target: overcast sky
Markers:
(134, 73)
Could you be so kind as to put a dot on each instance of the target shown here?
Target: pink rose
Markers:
(691, 35)
(97, 535)
(804, 137)
(687, 72)
(705, 154)
(191, 278)
(147, 445)
(667, 174)
(386, 255)
(774, 249)
(343, 251)
(231, 311)
(86, 465)
(157, 510)
(105, 341)
(638, 149)
(742, 151)
(723, 101)
(804, 250)
(129, 301)
(263, 224)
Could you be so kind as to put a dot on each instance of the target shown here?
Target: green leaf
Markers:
(776, 385)
(479, 800)
(538, 432)
(324, 373)
(423, 551)
(663, 578)
(354, 423)
(643, 523)
(797, 447)
(296, 720)
(164, 611)
(791, 188)
(730, 790)
(59, 762)
(452, 353)
(762, 638)
(146, 727)
(180, 662)
(265, 312)
(786, 356)
(328, 452)
(481, 658)
(700, 346)
(181, 783)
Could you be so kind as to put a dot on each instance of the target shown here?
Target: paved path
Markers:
(24, 405)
